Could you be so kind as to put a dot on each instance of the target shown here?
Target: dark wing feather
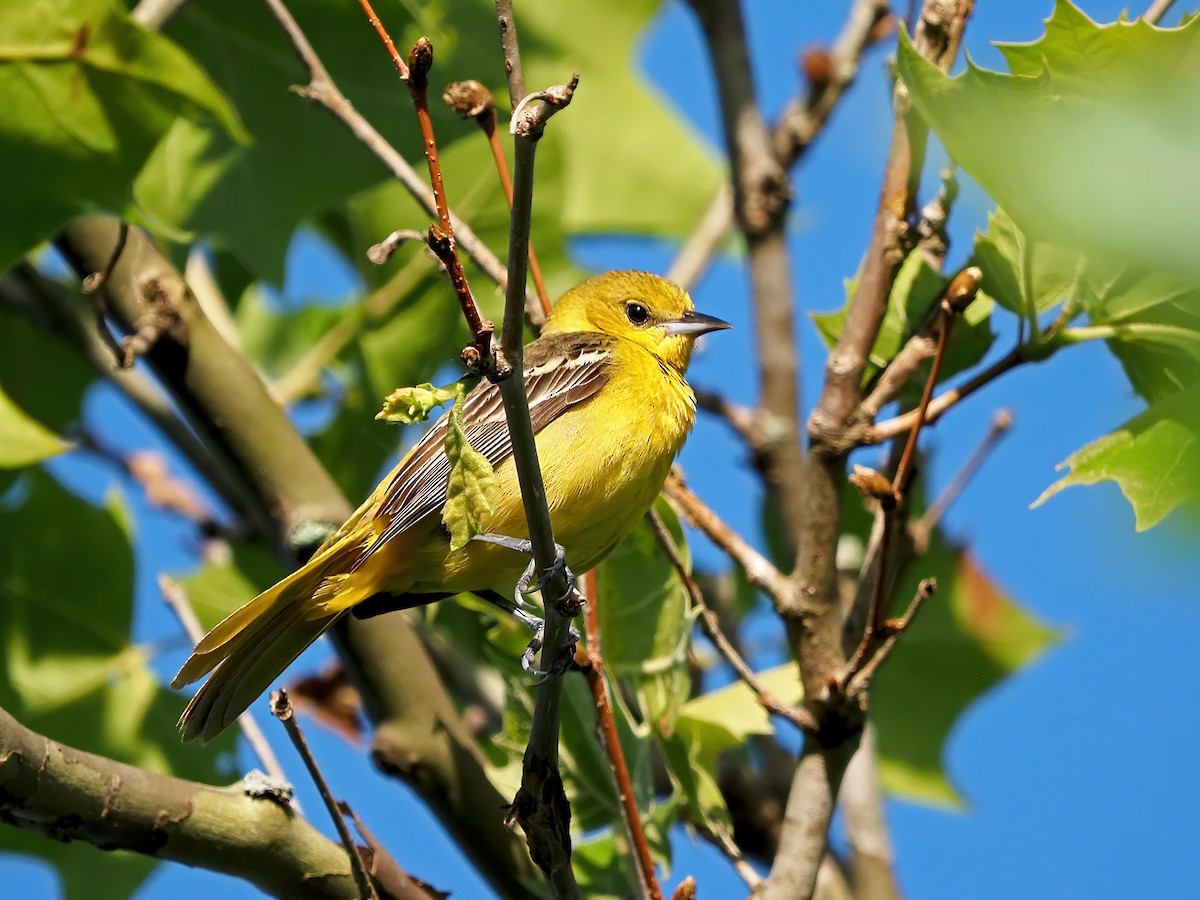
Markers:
(561, 371)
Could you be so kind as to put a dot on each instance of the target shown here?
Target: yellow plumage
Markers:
(610, 409)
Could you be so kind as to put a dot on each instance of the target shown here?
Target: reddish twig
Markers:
(610, 740)
(479, 356)
(472, 100)
(892, 631)
(1002, 421)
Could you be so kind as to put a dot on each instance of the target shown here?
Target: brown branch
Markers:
(759, 570)
(176, 598)
(894, 629)
(795, 131)
(947, 399)
(70, 795)
(610, 740)
(393, 53)
(281, 708)
(798, 716)
(761, 196)
(861, 801)
(813, 612)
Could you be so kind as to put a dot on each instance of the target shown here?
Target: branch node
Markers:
(529, 121)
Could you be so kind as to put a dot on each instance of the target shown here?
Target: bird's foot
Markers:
(526, 583)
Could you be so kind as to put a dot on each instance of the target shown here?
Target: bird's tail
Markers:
(251, 647)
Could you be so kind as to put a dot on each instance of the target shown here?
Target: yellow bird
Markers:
(610, 409)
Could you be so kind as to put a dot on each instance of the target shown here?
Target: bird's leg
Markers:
(538, 627)
(526, 585)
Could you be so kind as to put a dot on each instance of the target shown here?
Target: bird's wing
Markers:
(561, 371)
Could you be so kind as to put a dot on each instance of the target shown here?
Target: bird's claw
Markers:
(526, 584)
(560, 664)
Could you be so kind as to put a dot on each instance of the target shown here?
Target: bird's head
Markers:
(635, 306)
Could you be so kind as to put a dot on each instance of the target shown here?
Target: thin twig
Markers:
(512, 54)
(541, 806)
(393, 53)
(895, 629)
(281, 708)
(945, 400)
(798, 716)
(322, 91)
(1002, 421)
(176, 598)
(960, 292)
(1156, 10)
(610, 740)
(759, 570)
(472, 100)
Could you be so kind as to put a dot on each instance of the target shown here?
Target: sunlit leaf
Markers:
(87, 96)
(471, 486)
(409, 405)
(23, 440)
(1154, 458)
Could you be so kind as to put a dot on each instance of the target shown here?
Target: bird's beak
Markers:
(695, 323)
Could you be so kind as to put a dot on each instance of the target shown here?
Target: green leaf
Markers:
(40, 374)
(471, 486)
(68, 668)
(914, 292)
(88, 94)
(23, 440)
(1090, 142)
(1154, 458)
(292, 180)
(409, 405)
(645, 623)
(1004, 252)
(968, 637)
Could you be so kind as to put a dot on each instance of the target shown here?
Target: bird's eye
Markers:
(637, 313)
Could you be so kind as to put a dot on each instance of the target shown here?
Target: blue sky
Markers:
(1079, 773)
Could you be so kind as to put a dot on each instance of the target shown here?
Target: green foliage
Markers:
(968, 638)
(409, 405)
(1090, 142)
(68, 668)
(87, 95)
(472, 485)
(915, 292)
(23, 440)
(1154, 457)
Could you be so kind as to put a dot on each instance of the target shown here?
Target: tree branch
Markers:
(761, 196)
(70, 795)
(419, 735)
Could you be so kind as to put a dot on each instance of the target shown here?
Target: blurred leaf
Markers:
(67, 667)
(1003, 252)
(24, 441)
(87, 96)
(410, 405)
(1154, 458)
(969, 637)
(1090, 142)
(471, 485)
(915, 291)
(276, 340)
(41, 374)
